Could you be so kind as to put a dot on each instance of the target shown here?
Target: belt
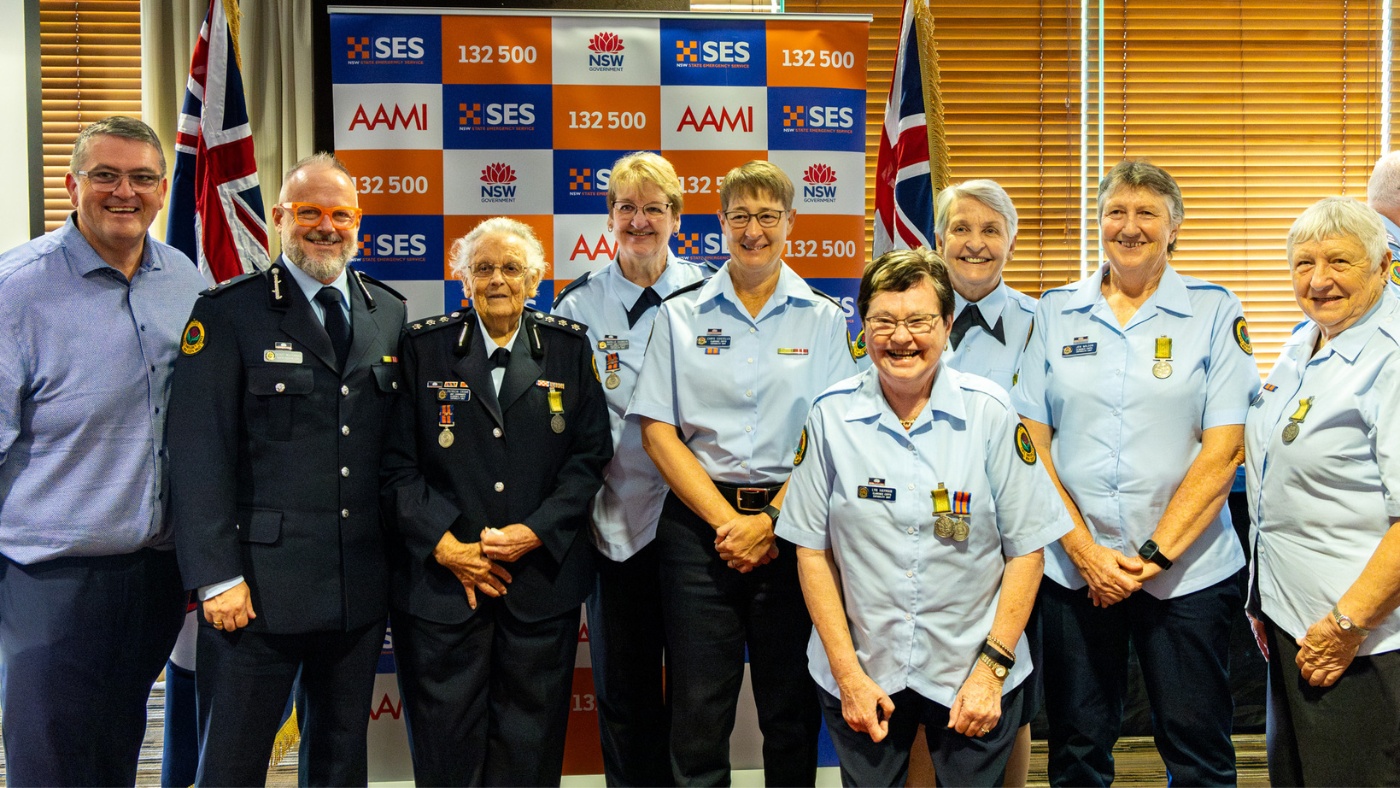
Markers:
(749, 500)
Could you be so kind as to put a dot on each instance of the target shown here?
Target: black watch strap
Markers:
(772, 511)
(1150, 552)
(994, 654)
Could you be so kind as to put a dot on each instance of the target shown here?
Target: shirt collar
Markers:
(85, 259)
(990, 306)
(489, 342)
(790, 286)
(1350, 342)
(945, 397)
(1171, 293)
(626, 292)
(310, 286)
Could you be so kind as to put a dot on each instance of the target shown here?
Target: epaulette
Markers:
(365, 279)
(686, 289)
(416, 327)
(571, 287)
(828, 297)
(563, 324)
(227, 285)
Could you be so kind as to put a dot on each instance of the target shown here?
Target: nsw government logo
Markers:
(605, 52)
(498, 183)
(819, 183)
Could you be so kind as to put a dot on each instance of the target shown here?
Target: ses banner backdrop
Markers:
(447, 118)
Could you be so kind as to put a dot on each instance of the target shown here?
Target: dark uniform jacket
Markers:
(505, 462)
(275, 455)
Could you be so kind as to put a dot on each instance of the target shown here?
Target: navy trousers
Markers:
(82, 641)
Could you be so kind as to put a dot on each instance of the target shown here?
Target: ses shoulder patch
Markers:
(193, 339)
(1024, 446)
(801, 449)
(1242, 336)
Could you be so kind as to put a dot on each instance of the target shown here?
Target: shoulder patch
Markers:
(422, 326)
(369, 280)
(192, 341)
(1025, 447)
(1242, 336)
(801, 449)
(225, 286)
(563, 324)
(858, 349)
(569, 288)
(688, 288)
(1395, 272)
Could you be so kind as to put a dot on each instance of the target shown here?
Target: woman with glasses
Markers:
(732, 367)
(496, 451)
(919, 511)
(1134, 387)
(618, 304)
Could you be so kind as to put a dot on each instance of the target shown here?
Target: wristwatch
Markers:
(772, 511)
(1149, 552)
(1000, 663)
(1347, 624)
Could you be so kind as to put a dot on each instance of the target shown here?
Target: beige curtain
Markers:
(275, 43)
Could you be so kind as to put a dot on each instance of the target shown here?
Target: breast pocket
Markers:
(273, 394)
(386, 375)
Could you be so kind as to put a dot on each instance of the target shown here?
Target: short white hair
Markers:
(1383, 190)
(987, 192)
(1340, 217)
(462, 248)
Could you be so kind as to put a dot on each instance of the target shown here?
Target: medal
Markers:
(445, 439)
(1290, 431)
(613, 381)
(962, 506)
(943, 525)
(1163, 368)
(613, 365)
(960, 530)
(445, 421)
(556, 407)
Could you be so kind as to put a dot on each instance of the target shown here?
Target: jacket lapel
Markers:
(300, 322)
(522, 372)
(475, 369)
(364, 331)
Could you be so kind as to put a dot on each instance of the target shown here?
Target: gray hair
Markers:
(114, 126)
(463, 248)
(1142, 174)
(315, 160)
(1340, 217)
(1383, 190)
(987, 192)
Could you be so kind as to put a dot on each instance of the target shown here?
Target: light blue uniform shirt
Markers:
(979, 352)
(1320, 504)
(627, 508)
(919, 607)
(739, 387)
(85, 361)
(1392, 241)
(1124, 438)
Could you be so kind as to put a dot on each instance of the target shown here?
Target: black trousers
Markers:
(1345, 734)
(82, 640)
(712, 614)
(627, 641)
(244, 679)
(487, 700)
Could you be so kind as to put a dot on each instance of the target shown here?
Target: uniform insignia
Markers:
(430, 322)
(1270, 387)
(282, 356)
(1025, 447)
(193, 340)
(792, 351)
(1081, 346)
(858, 349)
(801, 449)
(1395, 272)
(875, 490)
(1242, 332)
(282, 346)
(417, 326)
(713, 341)
(455, 314)
(594, 360)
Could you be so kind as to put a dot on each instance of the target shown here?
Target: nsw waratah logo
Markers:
(605, 52)
(498, 183)
(819, 183)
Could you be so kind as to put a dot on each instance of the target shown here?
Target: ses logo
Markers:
(385, 50)
(498, 183)
(736, 119)
(701, 241)
(819, 183)
(414, 118)
(800, 117)
(399, 245)
(711, 54)
(588, 182)
(475, 115)
(605, 52)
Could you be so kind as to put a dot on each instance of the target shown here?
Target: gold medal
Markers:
(1163, 368)
(943, 527)
(960, 530)
(613, 381)
(556, 423)
(556, 406)
(445, 439)
(1290, 431)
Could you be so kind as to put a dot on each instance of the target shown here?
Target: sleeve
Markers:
(1030, 514)
(655, 394)
(566, 508)
(1029, 395)
(807, 505)
(14, 379)
(1385, 431)
(1232, 375)
(203, 432)
(417, 511)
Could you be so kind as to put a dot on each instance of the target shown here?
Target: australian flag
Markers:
(216, 209)
(903, 187)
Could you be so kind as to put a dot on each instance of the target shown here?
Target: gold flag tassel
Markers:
(933, 97)
(288, 737)
(235, 19)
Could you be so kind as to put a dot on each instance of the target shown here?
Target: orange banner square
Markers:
(486, 50)
(825, 246)
(401, 182)
(831, 55)
(702, 173)
(607, 117)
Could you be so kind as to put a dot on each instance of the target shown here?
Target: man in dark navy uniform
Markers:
(280, 401)
(495, 454)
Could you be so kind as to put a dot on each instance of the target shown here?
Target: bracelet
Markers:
(998, 670)
(1007, 651)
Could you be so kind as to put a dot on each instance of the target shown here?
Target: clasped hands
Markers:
(746, 542)
(477, 565)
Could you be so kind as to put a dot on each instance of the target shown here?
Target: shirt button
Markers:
(748, 428)
(908, 574)
(908, 617)
(344, 391)
(344, 471)
(748, 393)
(753, 330)
(153, 367)
(500, 486)
(280, 387)
(1113, 493)
(496, 433)
(911, 530)
(743, 465)
(394, 385)
(345, 514)
(751, 360)
(345, 429)
(911, 447)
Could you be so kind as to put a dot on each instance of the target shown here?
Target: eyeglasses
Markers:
(108, 180)
(308, 214)
(884, 325)
(739, 220)
(508, 270)
(652, 210)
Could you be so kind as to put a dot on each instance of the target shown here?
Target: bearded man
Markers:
(278, 410)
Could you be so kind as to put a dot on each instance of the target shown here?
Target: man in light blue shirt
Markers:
(90, 595)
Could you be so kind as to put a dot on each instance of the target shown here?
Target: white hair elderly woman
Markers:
(1323, 447)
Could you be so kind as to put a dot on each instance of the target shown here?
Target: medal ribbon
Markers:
(940, 500)
(556, 401)
(1164, 348)
(961, 502)
(445, 416)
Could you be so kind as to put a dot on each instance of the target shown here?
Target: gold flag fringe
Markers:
(288, 736)
(933, 97)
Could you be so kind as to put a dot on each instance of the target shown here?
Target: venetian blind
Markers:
(90, 68)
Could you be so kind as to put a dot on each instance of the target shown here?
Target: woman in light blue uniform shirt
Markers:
(1323, 445)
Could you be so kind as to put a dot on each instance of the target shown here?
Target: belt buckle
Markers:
(751, 499)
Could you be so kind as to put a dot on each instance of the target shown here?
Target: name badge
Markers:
(282, 356)
(612, 344)
(713, 341)
(874, 491)
(1079, 348)
(454, 395)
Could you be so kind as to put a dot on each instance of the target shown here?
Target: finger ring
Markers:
(218, 625)
(985, 731)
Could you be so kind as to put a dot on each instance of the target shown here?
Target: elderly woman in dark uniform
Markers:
(1134, 387)
(498, 449)
(1323, 466)
(919, 510)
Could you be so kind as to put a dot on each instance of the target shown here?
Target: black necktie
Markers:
(972, 316)
(500, 358)
(336, 328)
(645, 301)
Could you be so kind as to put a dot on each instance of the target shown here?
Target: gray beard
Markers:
(320, 270)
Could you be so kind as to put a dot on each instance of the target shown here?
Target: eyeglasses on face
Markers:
(739, 219)
(652, 210)
(487, 270)
(884, 325)
(110, 180)
(308, 214)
